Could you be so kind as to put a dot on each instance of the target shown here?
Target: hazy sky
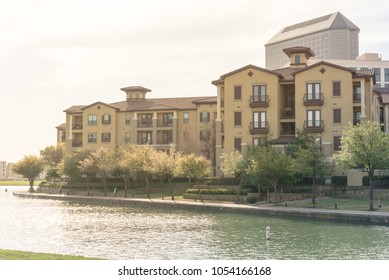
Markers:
(55, 54)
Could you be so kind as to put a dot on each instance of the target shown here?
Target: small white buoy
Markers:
(268, 233)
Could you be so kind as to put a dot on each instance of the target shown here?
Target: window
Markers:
(127, 137)
(105, 137)
(167, 137)
(204, 135)
(238, 144)
(237, 92)
(92, 137)
(146, 120)
(237, 118)
(336, 88)
(259, 93)
(337, 114)
(256, 142)
(168, 119)
(297, 59)
(259, 119)
(386, 73)
(313, 91)
(377, 73)
(92, 119)
(146, 137)
(128, 119)
(106, 119)
(186, 117)
(204, 116)
(314, 119)
(337, 143)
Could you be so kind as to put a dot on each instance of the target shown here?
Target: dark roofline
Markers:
(99, 102)
(322, 63)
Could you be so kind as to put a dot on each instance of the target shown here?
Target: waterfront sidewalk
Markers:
(373, 217)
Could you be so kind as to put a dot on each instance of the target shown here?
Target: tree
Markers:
(194, 167)
(234, 164)
(70, 164)
(165, 164)
(52, 157)
(87, 167)
(269, 166)
(127, 162)
(364, 147)
(29, 167)
(311, 162)
(103, 160)
(144, 156)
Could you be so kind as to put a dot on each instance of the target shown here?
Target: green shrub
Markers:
(221, 191)
(339, 180)
(251, 199)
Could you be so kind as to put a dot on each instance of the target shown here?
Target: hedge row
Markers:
(217, 191)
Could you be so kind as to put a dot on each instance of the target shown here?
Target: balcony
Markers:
(319, 101)
(356, 97)
(143, 123)
(313, 126)
(76, 144)
(77, 126)
(164, 123)
(287, 114)
(259, 127)
(259, 101)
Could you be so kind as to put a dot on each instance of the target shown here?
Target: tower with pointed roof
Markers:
(331, 36)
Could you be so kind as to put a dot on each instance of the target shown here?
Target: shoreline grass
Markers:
(18, 183)
(23, 255)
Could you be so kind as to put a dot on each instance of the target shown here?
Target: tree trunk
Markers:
(314, 192)
(31, 181)
(371, 191)
(275, 194)
(171, 188)
(105, 185)
(126, 178)
(87, 184)
(239, 188)
(268, 194)
(147, 187)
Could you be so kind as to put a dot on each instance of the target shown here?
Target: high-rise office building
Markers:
(330, 37)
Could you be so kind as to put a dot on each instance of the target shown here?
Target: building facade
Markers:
(252, 103)
(187, 123)
(331, 37)
(3, 170)
(320, 99)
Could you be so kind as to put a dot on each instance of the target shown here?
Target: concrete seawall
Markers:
(280, 211)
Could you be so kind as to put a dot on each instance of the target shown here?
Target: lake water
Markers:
(113, 232)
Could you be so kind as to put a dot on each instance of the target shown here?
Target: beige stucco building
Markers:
(320, 99)
(252, 103)
(185, 122)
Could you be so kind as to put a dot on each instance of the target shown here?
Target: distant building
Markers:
(3, 170)
(11, 175)
(330, 37)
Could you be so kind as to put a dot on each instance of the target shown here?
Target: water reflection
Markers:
(143, 233)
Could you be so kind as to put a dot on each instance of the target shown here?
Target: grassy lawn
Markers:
(17, 183)
(343, 203)
(21, 255)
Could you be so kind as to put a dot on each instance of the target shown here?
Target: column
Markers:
(134, 133)
(363, 102)
(386, 118)
(175, 129)
(155, 125)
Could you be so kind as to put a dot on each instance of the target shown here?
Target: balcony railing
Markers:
(259, 127)
(259, 101)
(287, 114)
(164, 123)
(313, 126)
(356, 97)
(313, 101)
(77, 126)
(77, 144)
(148, 123)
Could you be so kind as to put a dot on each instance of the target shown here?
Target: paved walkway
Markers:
(259, 209)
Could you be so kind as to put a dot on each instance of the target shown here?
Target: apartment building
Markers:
(186, 122)
(3, 170)
(320, 99)
(331, 36)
